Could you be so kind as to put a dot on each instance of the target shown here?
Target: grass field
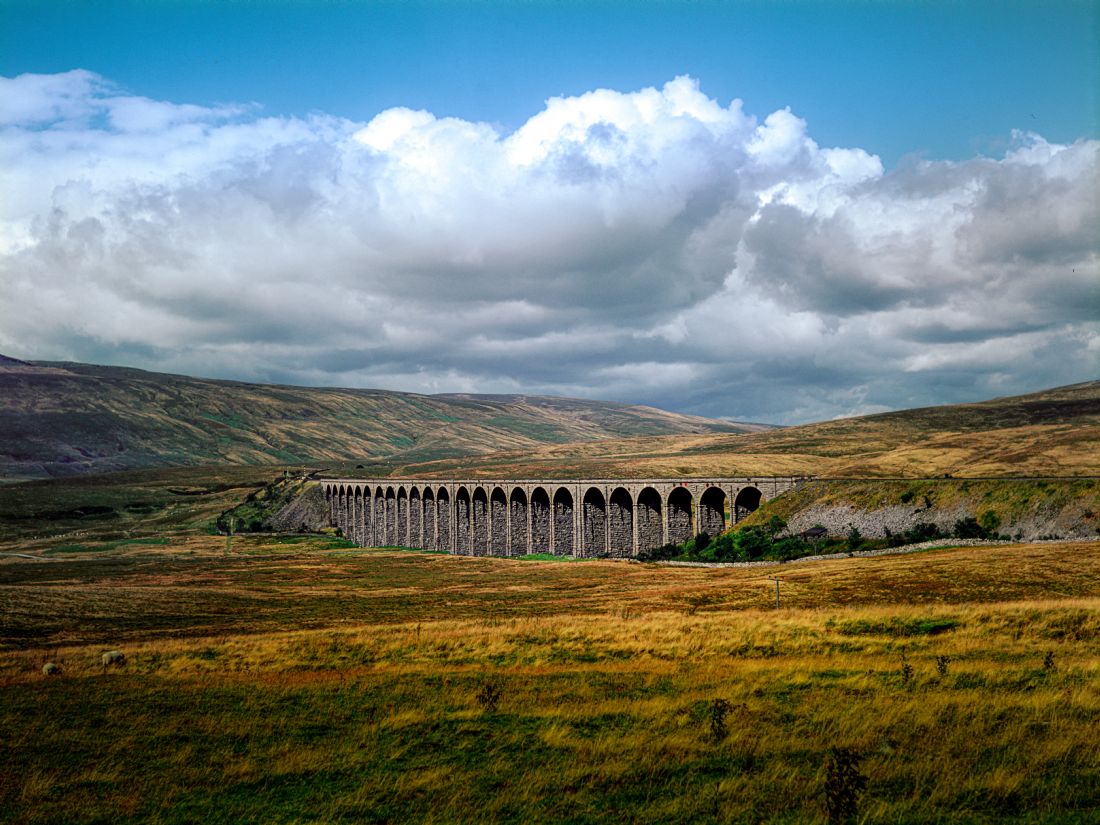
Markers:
(296, 679)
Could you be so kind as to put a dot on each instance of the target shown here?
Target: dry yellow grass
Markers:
(344, 686)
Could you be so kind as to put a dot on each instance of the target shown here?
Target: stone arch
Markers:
(540, 521)
(680, 527)
(416, 510)
(378, 507)
(402, 537)
(480, 511)
(563, 522)
(620, 523)
(443, 519)
(357, 518)
(390, 533)
(594, 523)
(650, 532)
(748, 500)
(338, 509)
(712, 511)
(462, 521)
(517, 539)
(427, 521)
(498, 522)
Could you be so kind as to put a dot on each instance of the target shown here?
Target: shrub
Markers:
(968, 528)
(854, 539)
(844, 784)
(906, 670)
(989, 522)
(719, 710)
(488, 695)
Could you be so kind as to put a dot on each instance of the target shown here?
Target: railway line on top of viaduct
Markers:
(617, 518)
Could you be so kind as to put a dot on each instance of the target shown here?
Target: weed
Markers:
(719, 710)
(1048, 662)
(941, 665)
(488, 695)
(844, 784)
(906, 670)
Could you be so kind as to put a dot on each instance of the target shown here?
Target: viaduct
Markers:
(615, 518)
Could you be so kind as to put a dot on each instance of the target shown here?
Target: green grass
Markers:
(931, 626)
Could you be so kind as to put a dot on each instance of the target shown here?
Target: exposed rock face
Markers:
(308, 510)
(1043, 522)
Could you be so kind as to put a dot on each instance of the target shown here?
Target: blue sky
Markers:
(946, 79)
(776, 212)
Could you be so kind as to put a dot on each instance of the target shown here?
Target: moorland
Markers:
(294, 678)
(64, 419)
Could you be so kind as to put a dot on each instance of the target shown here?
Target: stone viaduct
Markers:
(511, 517)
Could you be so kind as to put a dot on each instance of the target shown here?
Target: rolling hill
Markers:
(61, 419)
(1053, 432)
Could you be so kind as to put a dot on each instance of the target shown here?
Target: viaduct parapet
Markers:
(615, 518)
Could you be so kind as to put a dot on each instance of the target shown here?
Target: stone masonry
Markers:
(512, 517)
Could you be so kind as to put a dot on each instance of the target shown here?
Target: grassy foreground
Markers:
(299, 680)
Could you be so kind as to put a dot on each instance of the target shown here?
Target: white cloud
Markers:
(655, 246)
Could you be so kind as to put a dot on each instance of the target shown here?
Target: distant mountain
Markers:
(65, 419)
(1052, 432)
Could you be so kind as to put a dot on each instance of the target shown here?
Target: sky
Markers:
(777, 212)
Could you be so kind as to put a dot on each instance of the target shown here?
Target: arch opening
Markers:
(563, 522)
(517, 538)
(402, 537)
(620, 524)
(498, 523)
(680, 527)
(462, 522)
(594, 527)
(747, 501)
(540, 521)
(429, 539)
(712, 511)
(650, 530)
(481, 522)
(390, 535)
(443, 519)
(416, 510)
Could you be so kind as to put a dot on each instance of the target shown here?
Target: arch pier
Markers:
(617, 518)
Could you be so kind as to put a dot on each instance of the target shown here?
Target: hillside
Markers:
(63, 419)
(1053, 432)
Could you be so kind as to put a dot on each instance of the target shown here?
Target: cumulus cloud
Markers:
(655, 246)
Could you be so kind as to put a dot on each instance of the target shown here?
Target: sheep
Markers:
(51, 669)
(113, 657)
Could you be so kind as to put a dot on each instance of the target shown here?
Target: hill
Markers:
(1052, 432)
(63, 419)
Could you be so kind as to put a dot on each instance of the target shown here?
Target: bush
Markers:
(488, 695)
(844, 784)
(968, 528)
(854, 539)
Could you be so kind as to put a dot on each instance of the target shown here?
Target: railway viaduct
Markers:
(615, 518)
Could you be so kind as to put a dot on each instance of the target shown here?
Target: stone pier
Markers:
(607, 518)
